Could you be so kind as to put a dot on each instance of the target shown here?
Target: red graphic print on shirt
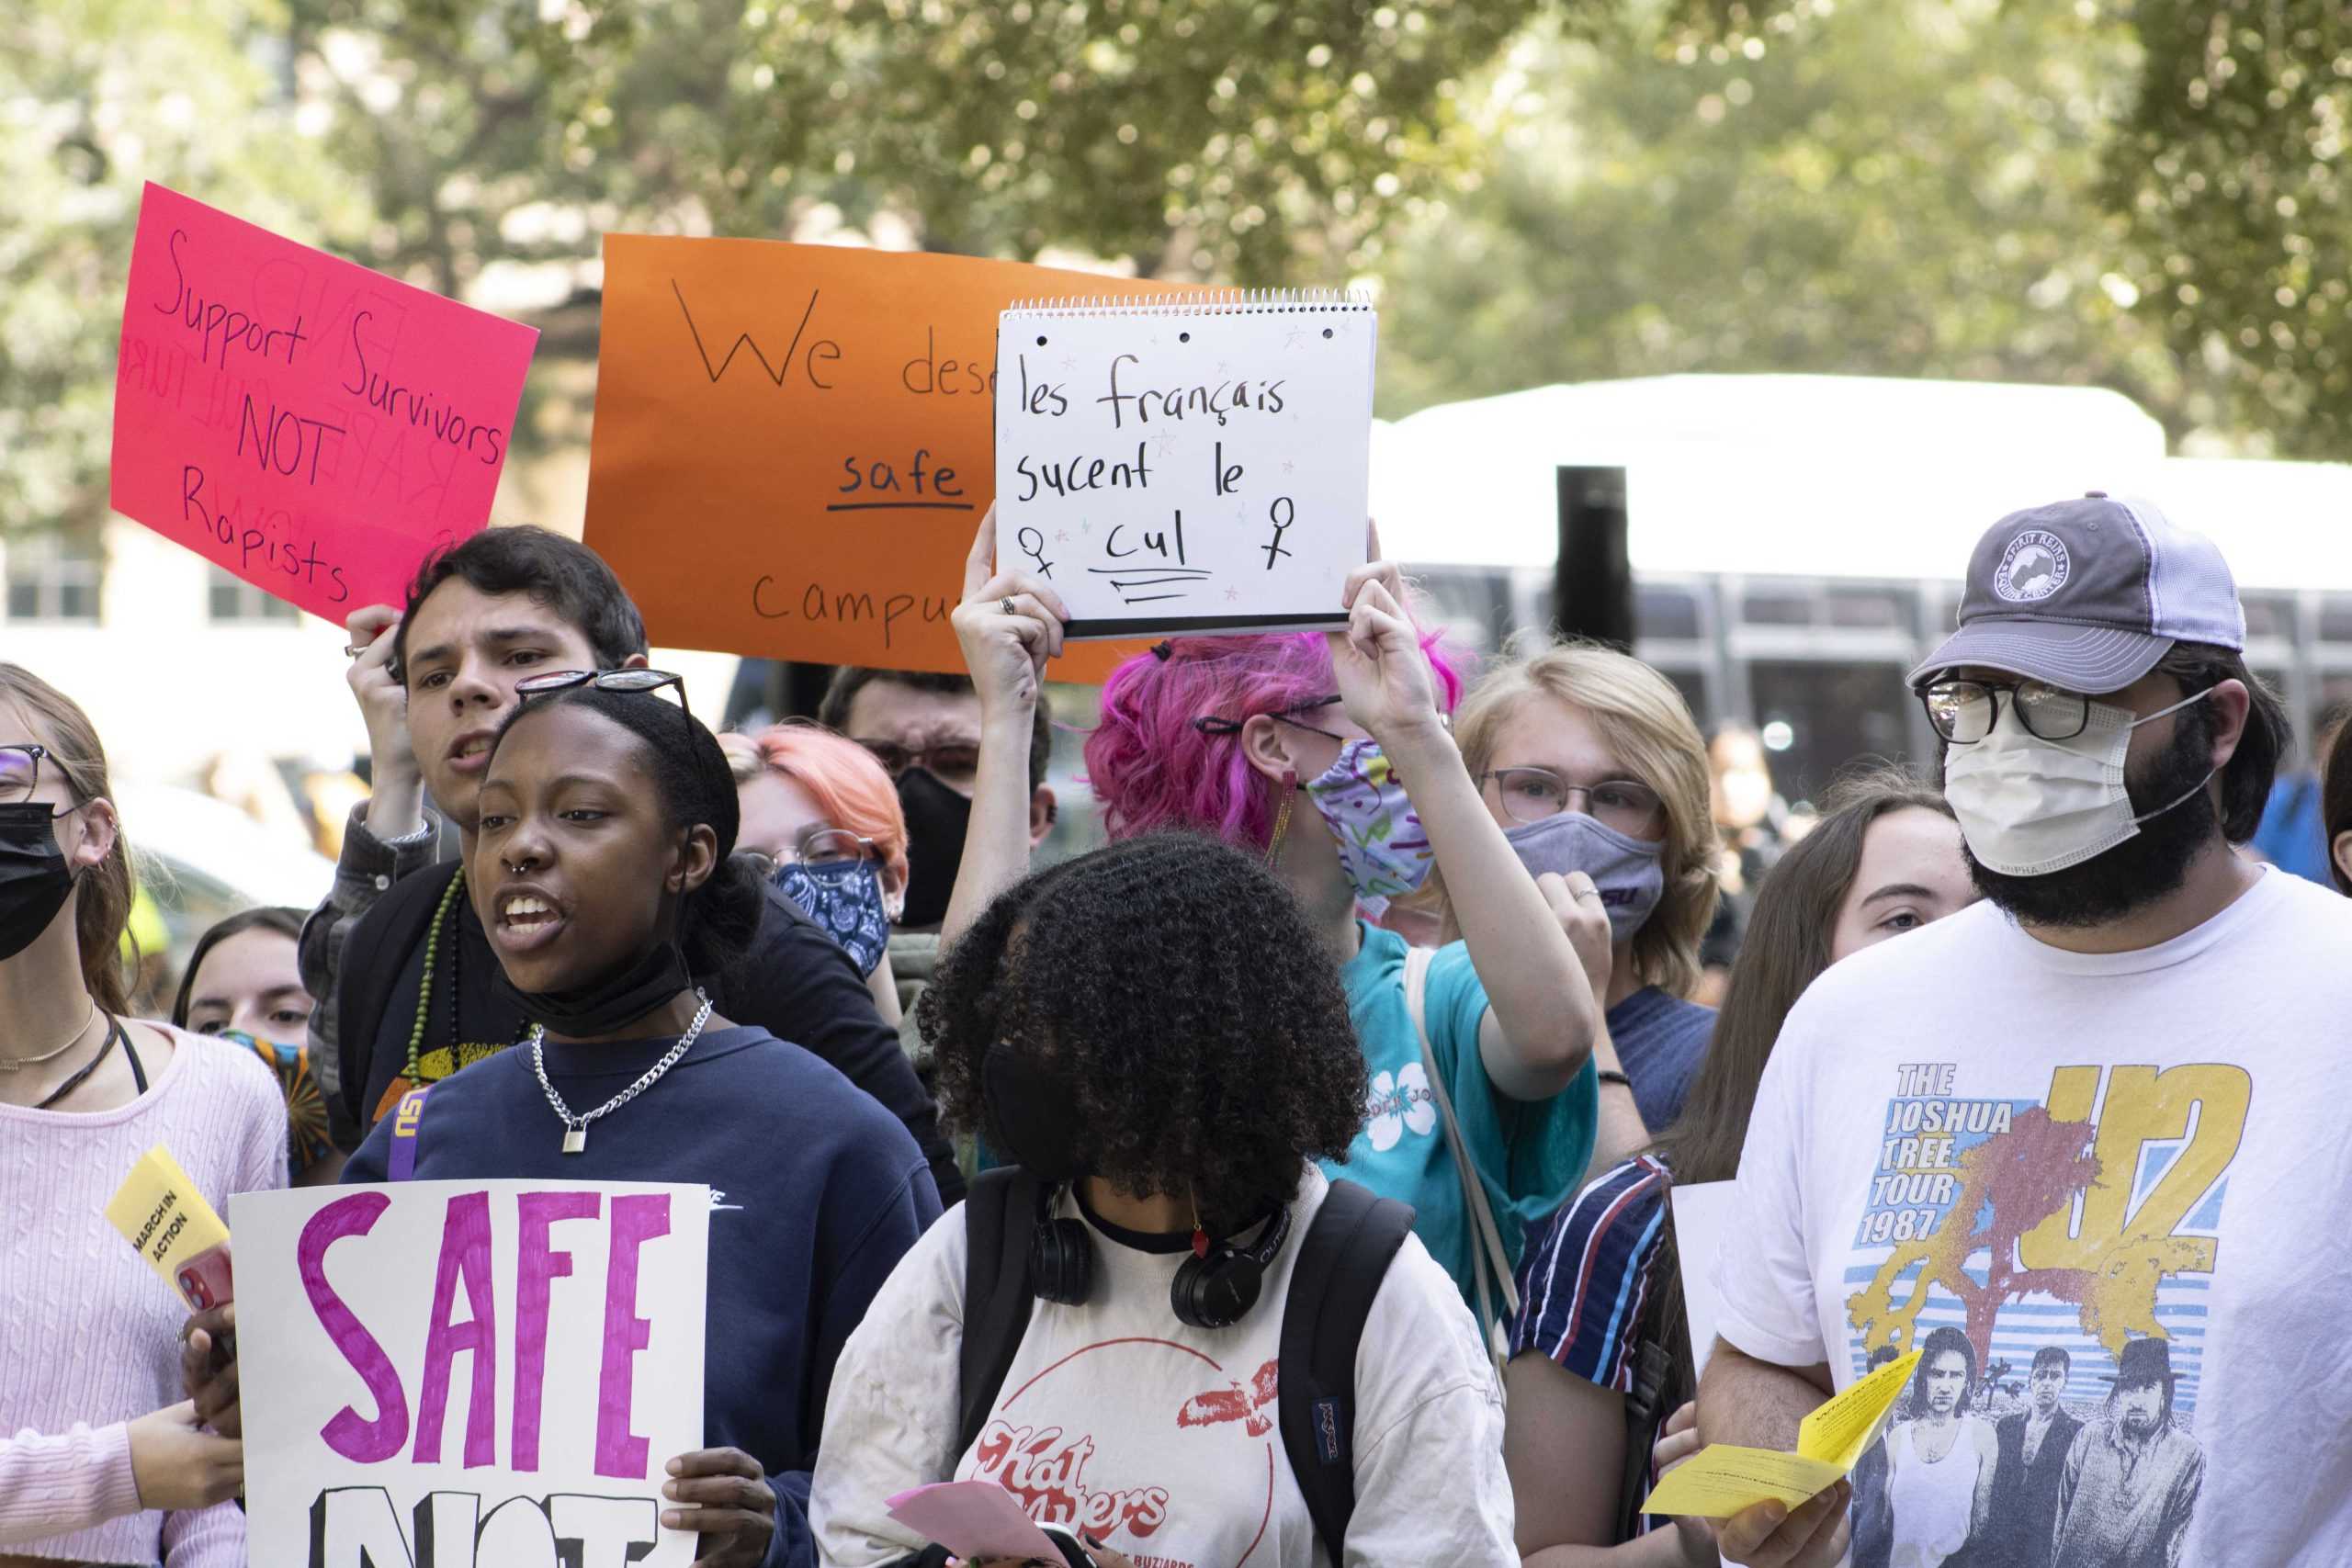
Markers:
(1232, 1403)
(1051, 1444)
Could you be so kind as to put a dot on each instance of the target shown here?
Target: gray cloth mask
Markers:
(1629, 873)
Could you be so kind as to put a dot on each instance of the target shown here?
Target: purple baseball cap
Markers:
(2088, 595)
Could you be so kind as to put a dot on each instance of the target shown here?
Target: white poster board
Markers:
(468, 1374)
(1702, 1217)
(1194, 467)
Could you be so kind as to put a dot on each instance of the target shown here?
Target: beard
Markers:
(2151, 864)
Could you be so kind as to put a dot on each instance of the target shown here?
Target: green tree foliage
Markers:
(96, 98)
(1906, 187)
(2029, 189)
(2231, 173)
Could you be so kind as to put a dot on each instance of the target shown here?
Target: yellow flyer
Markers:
(1722, 1480)
(160, 1211)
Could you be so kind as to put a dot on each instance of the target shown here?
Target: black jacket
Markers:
(796, 983)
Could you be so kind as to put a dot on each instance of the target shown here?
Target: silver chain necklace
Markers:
(575, 1128)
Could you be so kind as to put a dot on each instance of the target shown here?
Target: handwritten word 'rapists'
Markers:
(633, 1220)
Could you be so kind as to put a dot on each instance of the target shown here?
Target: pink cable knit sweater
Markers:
(90, 1336)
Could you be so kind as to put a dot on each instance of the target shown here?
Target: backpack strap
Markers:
(1487, 1254)
(1646, 1402)
(1000, 1212)
(1644, 1413)
(1342, 1262)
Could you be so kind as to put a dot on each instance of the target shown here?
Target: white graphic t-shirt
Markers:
(1118, 1421)
(2102, 1193)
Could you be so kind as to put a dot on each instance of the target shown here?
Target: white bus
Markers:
(1797, 541)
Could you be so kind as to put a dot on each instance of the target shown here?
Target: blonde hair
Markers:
(105, 892)
(1646, 722)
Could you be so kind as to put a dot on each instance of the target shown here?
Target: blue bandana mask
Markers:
(844, 897)
(1382, 846)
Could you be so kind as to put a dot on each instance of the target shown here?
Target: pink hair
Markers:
(1152, 768)
(848, 785)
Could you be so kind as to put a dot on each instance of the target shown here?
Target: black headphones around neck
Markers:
(1213, 1291)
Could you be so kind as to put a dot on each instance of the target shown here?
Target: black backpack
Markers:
(1342, 1262)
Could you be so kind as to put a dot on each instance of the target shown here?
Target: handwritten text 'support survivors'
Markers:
(309, 425)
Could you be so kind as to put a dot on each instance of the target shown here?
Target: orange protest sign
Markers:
(795, 443)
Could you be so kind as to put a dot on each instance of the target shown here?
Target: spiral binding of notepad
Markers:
(1210, 302)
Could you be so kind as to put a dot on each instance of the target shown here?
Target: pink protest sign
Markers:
(309, 424)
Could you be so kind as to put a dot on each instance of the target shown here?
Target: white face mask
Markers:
(2028, 807)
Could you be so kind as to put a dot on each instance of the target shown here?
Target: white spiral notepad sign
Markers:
(1194, 466)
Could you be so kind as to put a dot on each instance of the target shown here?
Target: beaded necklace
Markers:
(424, 992)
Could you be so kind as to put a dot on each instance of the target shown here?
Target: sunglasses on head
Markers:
(603, 680)
(638, 680)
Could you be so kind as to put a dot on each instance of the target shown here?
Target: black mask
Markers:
(1030, 1114)
(35, 880)
(937, 820)
(608, 1006)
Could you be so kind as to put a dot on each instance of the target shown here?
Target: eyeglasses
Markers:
(19, 772)
(603, 681)
(949, 759)
(1217, 724)
(1536, 795)
(1963, 712)
(821, 844)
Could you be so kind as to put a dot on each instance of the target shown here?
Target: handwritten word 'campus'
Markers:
(854, 607)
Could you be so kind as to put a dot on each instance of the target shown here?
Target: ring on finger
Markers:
(1006, 605)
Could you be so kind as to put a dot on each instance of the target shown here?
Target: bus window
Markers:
(1667, 614)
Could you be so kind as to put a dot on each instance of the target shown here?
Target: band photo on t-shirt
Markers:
(2051, 1258)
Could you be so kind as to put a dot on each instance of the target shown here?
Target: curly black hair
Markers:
(1196, 1011)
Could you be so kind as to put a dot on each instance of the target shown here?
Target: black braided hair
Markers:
(1197, 1011)
(716, 921)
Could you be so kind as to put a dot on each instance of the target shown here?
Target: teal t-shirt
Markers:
(1529, 1154)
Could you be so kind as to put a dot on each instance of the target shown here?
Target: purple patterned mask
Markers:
(1382, 847)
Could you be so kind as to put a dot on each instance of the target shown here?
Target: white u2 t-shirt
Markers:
(1161, 1439)
(1971, 1142)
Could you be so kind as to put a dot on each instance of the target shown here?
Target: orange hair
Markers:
(848, 785)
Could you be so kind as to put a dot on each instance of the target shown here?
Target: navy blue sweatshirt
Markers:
(817, 1192)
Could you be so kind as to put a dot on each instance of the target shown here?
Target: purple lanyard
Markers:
(407, 1117)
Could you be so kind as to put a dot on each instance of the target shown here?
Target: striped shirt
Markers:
(1587, 1276)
